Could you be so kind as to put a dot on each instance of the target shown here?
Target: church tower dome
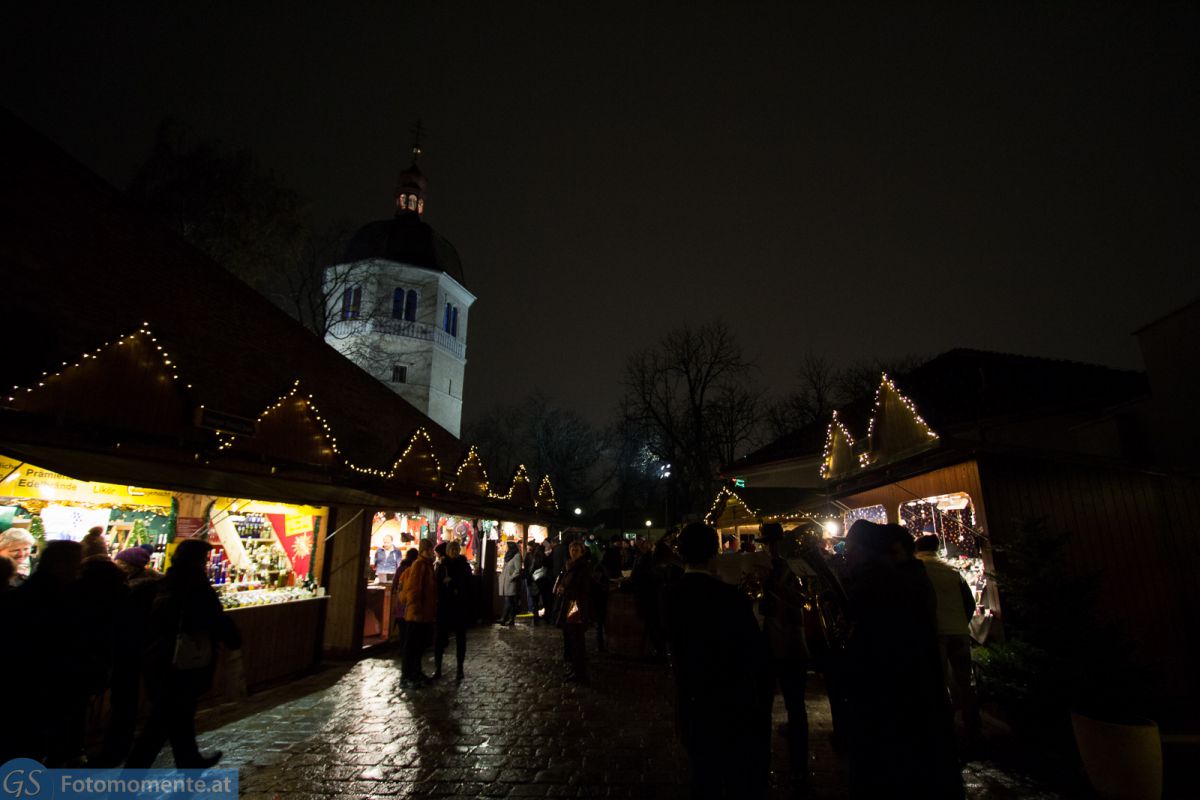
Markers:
(398, 304)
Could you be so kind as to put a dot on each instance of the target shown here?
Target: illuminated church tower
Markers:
(398, 305)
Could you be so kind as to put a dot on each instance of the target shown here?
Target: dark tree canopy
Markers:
(240, 214)
(691, 399)
(548, 440)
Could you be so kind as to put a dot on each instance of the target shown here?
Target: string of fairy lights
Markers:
(521, 476)
(838, 431)
(836, 428)
(143, 331)
(546, 497)
(727, 495)
(474, 463)
(912, 408)
(419, 444)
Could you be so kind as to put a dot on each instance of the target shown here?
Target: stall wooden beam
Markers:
(346, 553)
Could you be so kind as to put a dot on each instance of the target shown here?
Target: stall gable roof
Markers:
(471, 477)
(127, 383)
(546, 500)
(768, 503)
(418, 464)
(966, 388)
(520, 493)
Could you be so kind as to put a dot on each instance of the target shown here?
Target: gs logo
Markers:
(23, 779)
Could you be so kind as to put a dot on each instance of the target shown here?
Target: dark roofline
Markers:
(1166, 316)
(856, 413)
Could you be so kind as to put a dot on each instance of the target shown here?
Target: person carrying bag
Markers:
(186, 626)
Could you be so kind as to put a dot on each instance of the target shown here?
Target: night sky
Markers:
(864, 183)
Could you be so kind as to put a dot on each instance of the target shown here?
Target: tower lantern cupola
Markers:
(410, 186)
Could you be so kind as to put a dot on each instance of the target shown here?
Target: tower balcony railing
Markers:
(399, 327)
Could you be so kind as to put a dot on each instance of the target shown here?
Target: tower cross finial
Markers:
(418, 133)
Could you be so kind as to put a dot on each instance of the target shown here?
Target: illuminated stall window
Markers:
(461, 530)
(404, 530)
(876, 514)
(951, 517)
(262, 552)
(502, 533)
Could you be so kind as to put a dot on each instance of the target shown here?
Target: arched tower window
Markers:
(454, 322)
(446, 319)
(410, 306)
(398, 296)
(352, 302)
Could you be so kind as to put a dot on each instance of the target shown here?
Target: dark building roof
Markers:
(965, 387)
(83, 267)
(406, 238)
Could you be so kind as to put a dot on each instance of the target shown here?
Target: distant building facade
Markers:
(398, 306)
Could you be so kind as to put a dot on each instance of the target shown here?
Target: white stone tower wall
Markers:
(435, 377)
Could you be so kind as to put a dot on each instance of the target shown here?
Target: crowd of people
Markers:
(886, 626)
(885, 623)
(88, 624)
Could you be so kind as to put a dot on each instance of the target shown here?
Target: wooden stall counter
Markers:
(279, 639)
(377, 617)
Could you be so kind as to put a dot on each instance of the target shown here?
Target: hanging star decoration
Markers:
(302, 546)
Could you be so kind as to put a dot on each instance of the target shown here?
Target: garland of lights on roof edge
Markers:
(865, 459)
(226, 440)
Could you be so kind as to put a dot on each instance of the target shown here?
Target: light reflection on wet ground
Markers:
(512, 728)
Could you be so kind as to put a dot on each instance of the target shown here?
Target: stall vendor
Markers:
(387, 557)
(17, 543)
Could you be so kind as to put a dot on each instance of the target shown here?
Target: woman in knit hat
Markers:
(135, 563)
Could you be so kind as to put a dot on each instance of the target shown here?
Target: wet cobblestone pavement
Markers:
(512, 728)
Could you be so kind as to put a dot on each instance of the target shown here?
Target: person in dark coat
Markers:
(723, 685)
(558, 563)
(43, 626)
(186, 626)
(782, 610)
(543, 578)
(455, 586)
(605, 570)
(133, 619)
(898, 706)
(536, 568)
(575, 614)
(103, 595)
(644, 580)
(8, 574)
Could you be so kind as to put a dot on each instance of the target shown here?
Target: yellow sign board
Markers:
(233, 505)
(19, 480)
